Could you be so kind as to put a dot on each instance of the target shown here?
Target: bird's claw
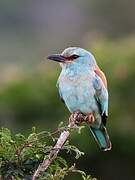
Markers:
(89, 118)
(78, 118)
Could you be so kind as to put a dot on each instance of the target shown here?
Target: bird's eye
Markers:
(75, 56)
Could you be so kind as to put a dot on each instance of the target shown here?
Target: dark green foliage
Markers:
(21, 155)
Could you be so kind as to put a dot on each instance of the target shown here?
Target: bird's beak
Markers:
(57, 57)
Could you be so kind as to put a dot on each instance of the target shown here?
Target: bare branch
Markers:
(75, 119)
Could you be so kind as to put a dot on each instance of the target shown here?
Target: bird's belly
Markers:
(79, 97)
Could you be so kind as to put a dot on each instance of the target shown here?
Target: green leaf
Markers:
(20, 156)
(19, 139)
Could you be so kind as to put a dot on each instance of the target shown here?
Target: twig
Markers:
(74, 119)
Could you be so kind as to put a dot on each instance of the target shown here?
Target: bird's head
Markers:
(74, 55)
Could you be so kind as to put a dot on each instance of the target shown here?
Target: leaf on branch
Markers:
(72, 148)
(20, 155)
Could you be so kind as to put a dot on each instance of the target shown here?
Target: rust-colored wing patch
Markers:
(101, 75)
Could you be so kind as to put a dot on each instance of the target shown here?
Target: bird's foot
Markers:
(89, 118)
(77, 117)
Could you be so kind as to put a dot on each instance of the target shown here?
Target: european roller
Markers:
(83, 86)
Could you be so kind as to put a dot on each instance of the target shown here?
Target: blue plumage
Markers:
(82, 88)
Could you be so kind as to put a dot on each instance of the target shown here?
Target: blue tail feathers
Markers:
(102, 138)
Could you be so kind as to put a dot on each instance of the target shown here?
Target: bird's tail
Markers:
(102, 138)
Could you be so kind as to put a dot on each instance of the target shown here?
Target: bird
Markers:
(82, 86)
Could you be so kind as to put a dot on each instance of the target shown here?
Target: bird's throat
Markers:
(75, 71)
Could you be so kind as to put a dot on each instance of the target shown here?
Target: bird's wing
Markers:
(101, 75)
(57, 85)
(101, 95)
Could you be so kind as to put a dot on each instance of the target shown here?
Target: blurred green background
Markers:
(30, 30)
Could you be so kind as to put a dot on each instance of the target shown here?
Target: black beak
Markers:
(57, 57)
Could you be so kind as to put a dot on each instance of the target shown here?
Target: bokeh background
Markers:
(30, 30)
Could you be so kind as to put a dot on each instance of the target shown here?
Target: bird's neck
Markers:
(72, 71)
